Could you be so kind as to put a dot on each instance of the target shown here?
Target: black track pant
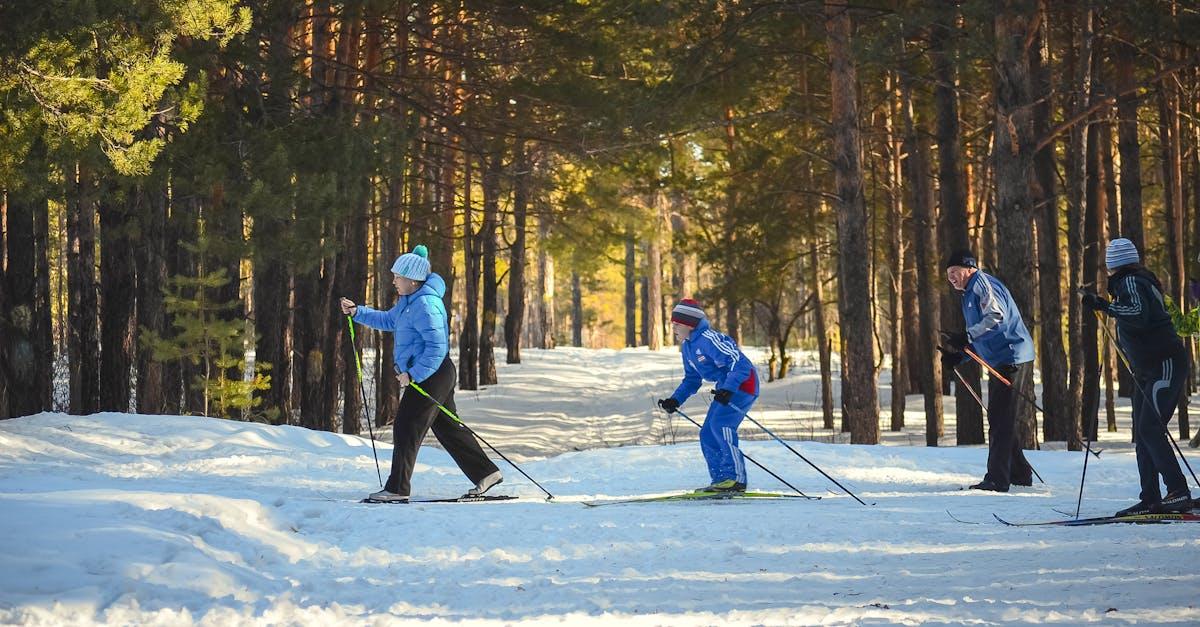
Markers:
(414, 418)
(1154, 454)
(1006, 461)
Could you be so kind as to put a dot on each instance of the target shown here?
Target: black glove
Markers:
(722, 396)
(957, 340)
(668, 405)
(1093, 301)
(950, 358)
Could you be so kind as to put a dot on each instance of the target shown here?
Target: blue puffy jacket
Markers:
(994, 324)
(712, 356)
(421, 326)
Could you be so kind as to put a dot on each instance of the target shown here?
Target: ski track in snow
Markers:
(161, 520)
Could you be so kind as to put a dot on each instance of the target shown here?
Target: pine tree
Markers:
(208, 340)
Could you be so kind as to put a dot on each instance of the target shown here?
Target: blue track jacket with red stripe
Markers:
(709, 355)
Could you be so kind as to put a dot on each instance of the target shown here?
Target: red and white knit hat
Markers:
(688, 313)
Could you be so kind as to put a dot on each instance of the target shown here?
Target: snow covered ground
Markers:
(127, 519)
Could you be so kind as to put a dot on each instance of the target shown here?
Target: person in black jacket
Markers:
(1159, 365)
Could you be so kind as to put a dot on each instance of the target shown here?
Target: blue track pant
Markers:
(719, 438)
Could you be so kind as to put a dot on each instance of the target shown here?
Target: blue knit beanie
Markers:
(1121, 252)
(414, 265)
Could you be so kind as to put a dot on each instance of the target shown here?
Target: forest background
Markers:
(189, 185)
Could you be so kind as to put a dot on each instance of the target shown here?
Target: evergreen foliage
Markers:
(205, 338)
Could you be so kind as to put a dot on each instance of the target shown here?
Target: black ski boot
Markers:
(1177, 502)
(1138, 509)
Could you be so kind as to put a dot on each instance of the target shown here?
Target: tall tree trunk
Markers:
(544, 330)
(491, 210)
(441, 247)
(391, 217)
(150, 255)
(514, 319)
(118, 284)
(270, 276)
(1053, 362)
(1194, 253)
(316, 337)
(733, 326)
(1013, 155)
(896, 247)
(644, 285)
(953, 216)
(859, 393)
(43, 319)
(824, 346)
(1093, 232)
(271, 320)
(630, 290)
(653, 320)
(180, 227)
(1128, 144)
(5, 412)
(26, 360)
(468, 343)
(1171, 143)
(685, 281)
(1079, 60)
(1109, 226)
(357, 265)
(576, 311)
(924, 244)
(83, 337)
(911, 325)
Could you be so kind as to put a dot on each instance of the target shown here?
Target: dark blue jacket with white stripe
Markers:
(994, 325)
(709, 355)
(1144, 328)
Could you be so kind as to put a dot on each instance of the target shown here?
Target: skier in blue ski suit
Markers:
(709, 355)
(421, 355)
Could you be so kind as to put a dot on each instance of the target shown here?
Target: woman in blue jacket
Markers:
(712, 356)
(421, 354)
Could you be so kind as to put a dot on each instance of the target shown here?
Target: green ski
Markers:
(688, 497)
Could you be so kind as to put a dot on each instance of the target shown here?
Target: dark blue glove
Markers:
(957, 340)
(668, 404)
(1093, 301)
(950, 358)
(723, 396)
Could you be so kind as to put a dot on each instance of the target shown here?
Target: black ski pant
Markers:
(1006, 461)
(414, 418)
(1153, 405)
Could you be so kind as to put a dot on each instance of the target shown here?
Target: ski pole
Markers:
(984, 408)
(794, 451)
(1024, 394)
(413, 385)
(1138, 387)
(751, 460)
(370, 428)
(1009, 384)
(1006, 382)
(1083, 476)
(985, 411)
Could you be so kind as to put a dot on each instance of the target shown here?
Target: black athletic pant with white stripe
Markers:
(414, 418)
(1006, 460)
(1153, 405)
